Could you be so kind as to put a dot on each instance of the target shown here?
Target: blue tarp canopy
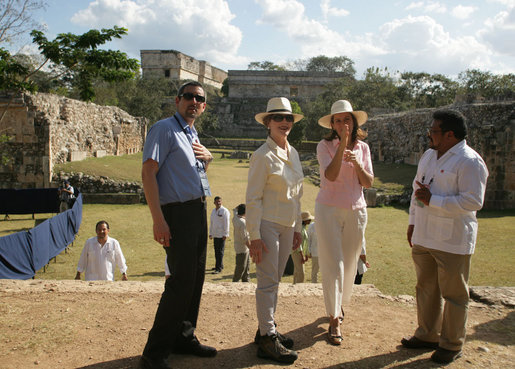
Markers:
(22, 254)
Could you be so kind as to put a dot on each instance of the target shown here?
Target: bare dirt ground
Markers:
(102, 325)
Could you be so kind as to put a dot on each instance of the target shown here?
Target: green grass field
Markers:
(387, 249)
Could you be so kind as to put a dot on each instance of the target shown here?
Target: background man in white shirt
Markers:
(447, 191)
(219, 231)
(99, 256)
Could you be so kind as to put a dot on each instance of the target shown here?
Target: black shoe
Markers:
(194, 347)
(148, 363)
(285, 341)
(415, 343)
(271, 348)
(216, 272)
(444, 356)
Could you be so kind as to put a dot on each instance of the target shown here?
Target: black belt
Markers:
(200, 200)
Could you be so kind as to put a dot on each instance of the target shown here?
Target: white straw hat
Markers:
(306, 215)
(278, 105)
(343, 106)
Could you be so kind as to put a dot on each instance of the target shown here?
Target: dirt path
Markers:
(72, 324)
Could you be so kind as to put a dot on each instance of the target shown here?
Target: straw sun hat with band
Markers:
(278, 105)
(343, 106)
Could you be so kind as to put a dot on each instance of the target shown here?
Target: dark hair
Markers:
(102, 222)
(217, 198)
(357, 133)
(452, 120)
(241, 209)
(189, 83)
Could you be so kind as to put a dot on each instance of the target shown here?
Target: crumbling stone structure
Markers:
(46, 129)
(249, 91)
(178, 66)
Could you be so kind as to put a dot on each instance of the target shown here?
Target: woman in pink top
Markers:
(340, 209)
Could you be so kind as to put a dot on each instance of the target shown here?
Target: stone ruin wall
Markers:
(180, 67)
(402, 138)
(48, 129)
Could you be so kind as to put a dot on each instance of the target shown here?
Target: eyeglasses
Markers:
(279, 118)
(190, 96)
(431, 131)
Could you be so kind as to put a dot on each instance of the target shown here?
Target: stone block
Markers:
(371, 197)
(100, 153)
(77, 155)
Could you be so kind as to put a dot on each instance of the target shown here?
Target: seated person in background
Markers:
(99, 256)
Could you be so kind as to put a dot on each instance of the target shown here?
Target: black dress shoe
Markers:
(194, 347)
(148, 363)
(416, 343)
(444, 356)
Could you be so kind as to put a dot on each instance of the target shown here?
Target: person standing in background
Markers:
(219, 231)
(241, 245)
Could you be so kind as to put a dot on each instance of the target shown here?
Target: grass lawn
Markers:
(387, 249)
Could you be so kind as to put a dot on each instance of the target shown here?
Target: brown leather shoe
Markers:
(333, 337)
(416, 343)
(444, 356)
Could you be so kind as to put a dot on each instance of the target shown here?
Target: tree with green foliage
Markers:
(265, 65)
(225, 87)
(297, 133)
(475, 83)
(81, 60)
(324, 63)
(427, 90)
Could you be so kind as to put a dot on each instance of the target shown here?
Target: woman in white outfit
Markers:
(274, 221)
(340, 208)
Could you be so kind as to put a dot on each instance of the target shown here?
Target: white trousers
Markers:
(279, 242)
(340, 234)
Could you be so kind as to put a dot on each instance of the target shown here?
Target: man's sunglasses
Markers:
(190, 96)
(279, 118)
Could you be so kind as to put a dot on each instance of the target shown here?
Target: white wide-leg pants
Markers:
(340, 234)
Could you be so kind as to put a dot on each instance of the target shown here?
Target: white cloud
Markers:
(417, 5)
(313, 37)
(499, 32)
(463, 12)
(507, 3)
(421, 44)
(328, 11)
(428, 6)
(201, 28)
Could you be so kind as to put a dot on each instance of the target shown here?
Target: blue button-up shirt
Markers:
(169, 143)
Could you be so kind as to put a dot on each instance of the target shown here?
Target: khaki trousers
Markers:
(314, 269)
(279, 242)
(298, 268)
(440, 275)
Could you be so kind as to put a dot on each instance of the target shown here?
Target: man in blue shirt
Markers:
(176, 186)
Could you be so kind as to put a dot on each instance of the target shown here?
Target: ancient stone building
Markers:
(178, 66)
(46, 129)
(252, 84)
(249, 91)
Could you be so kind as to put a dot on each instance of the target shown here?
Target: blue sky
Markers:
(444, 37)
